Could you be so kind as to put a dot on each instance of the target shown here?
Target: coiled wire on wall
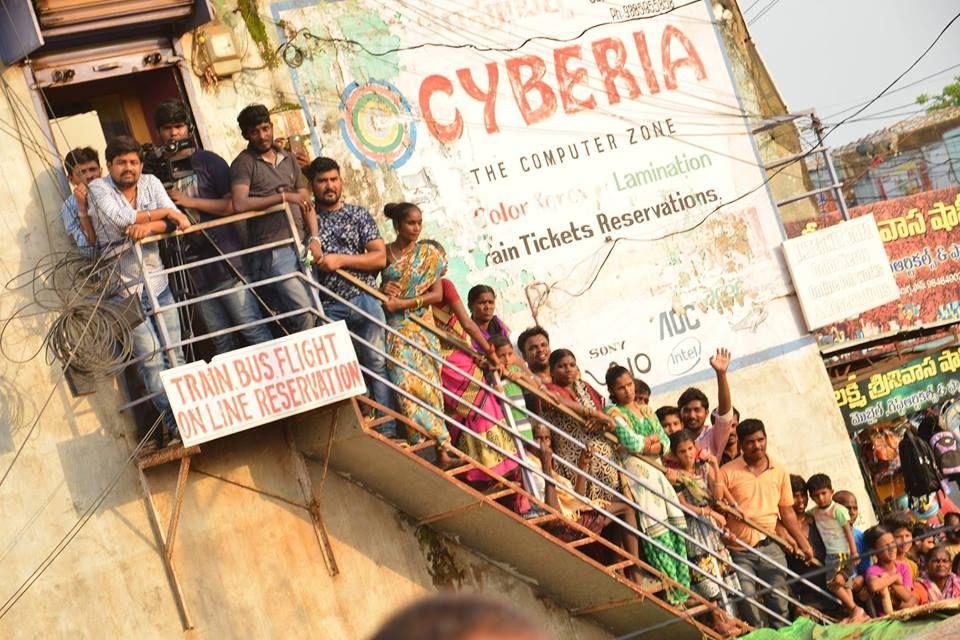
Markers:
(89, 333)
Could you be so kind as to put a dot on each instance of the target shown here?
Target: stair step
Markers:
(541, 519)
(621, 565)
(458, 470)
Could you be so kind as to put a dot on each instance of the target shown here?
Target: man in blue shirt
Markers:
(82, 166)
(204, 193)
(349, 239)
(128, 205)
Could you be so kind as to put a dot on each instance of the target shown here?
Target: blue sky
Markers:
(833, 54)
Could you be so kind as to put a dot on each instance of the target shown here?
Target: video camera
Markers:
(157, 160)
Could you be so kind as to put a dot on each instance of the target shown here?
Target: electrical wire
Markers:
(612, 246)
(476, 47)
(764, 11)
(74, 530)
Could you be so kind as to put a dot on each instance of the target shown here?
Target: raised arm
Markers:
(720, 432)
(720, 362)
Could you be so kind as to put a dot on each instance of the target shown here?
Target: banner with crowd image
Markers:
(589, 161)
(920, 235)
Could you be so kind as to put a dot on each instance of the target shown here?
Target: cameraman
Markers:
(204, 193)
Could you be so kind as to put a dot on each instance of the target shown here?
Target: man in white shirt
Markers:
(127, 205)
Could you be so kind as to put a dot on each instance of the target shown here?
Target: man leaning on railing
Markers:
(205, 194)
(264, 176)
(348, 238)
(129, 204)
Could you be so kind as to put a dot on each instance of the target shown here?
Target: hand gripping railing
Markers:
(524, 464)
(156, 310)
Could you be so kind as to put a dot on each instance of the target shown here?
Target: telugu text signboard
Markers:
(876, 397)
(919, 234)
(840, 272)
(262, 383)
(589, 161)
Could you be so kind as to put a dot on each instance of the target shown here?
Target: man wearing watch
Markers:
(263, 176)
(349, 240)
(129, 205)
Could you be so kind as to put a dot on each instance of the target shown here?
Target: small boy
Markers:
(833, 523)
(669, 418)
(848, 500)
(514, 392)
(642, 391)
(923, 542)
(951, 525)
(800, 501)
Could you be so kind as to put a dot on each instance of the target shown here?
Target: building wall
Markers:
(249, 563)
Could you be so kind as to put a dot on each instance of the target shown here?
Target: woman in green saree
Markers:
(640, 434)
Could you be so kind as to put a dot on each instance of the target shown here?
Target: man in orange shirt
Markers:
(763, 493)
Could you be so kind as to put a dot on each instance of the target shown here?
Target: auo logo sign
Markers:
(673, 324)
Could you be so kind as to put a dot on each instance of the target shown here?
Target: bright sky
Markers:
(834, 54)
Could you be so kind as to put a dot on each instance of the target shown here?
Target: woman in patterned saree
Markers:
(640, 434)
(582, 399)
(411, 280)
(464, 399)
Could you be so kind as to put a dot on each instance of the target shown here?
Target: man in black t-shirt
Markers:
(263, 176)
(204, 195)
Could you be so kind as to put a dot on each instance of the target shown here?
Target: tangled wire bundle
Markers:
(89, 334)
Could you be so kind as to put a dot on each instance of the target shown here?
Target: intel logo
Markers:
(685, 356)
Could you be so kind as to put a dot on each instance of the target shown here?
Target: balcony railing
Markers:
(501, 487)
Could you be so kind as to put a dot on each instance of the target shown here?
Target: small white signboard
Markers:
(840, 272)
(262, 383)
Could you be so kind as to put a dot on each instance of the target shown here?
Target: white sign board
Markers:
(590, 161)
(262, 383)
(841, 271)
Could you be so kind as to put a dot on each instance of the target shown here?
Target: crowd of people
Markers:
(689, 492)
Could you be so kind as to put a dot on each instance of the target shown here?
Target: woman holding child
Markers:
(464, 398)
(640, 434)
(699, 486)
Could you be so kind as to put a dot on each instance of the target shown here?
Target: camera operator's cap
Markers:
(251, 116)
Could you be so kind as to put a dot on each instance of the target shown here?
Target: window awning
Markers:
(58, 24)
